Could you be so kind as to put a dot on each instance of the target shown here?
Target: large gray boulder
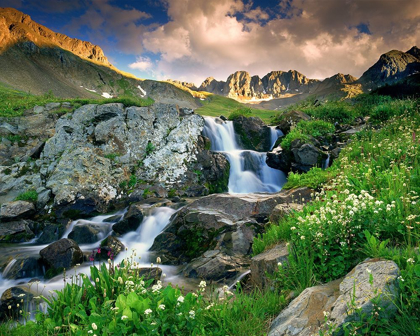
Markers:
(340, 300)
(131, 220)
(64, 253)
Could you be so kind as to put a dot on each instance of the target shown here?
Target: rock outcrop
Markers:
(240, 85)
(214, 234)
(252, 133)
(340, 300)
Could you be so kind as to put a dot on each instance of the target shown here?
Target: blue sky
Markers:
(193, 39)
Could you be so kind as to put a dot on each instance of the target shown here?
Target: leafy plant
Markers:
(29, 196)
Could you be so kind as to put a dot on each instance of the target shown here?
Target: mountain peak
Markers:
(17, 27)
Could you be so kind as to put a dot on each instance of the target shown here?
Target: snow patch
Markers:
(106, 95)
(90, 90)
(262, 99)
(143, 93)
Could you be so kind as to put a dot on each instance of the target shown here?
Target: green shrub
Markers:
(150, 148)
(294, 134)
(316, 128)
(30, 196)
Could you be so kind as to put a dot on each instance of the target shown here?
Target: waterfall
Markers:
(326, 163)
(248, 171)
(274, 135)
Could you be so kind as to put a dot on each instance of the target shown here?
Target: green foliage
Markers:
(150, 148)
(294, 134)
(240, 112)
(29, 196)
(132, 182)
(313, 179)
(117, 301)
(112, 156)
(316, 128)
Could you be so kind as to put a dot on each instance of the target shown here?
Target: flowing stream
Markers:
(249, 173)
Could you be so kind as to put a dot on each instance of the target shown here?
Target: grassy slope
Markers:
(215, 106)
(13, 103)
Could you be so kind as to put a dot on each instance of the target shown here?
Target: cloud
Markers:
(215, 38)
(112, 26)
(142, 64)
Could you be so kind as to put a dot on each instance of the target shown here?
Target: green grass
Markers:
(215, 106)
(30, 196)
(14, 103)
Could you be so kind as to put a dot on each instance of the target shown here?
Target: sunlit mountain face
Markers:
(190, 40)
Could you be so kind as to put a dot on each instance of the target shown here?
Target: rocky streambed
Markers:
(82, 187)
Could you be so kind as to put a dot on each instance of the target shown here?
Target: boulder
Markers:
(215, 265)
(306, 157)
(266, 263)
(16, 231)
(279, 159)
(15, 298)
(282, 210)
(51, 233)
(64, 253)
(291, 118)
(221, 222)
(16, 210)
(341, 299)
(252, 133)
(86, 233)
(131, 221)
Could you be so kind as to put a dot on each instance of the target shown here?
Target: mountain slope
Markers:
(35, 59)
(391, 67)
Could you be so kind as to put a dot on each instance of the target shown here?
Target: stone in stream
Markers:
(224, 223)
(64, 253)
(15, 298)
(252, 133)
(304, 316)
(131, 220)
(27, 267)
(86, 233)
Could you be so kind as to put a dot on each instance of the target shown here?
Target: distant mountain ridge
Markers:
(240, 85)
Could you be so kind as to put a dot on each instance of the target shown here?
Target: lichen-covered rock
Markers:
(64, 253)
(341, 299)
(306, 157)
(267, 263)
(282, 210)
(16, 210)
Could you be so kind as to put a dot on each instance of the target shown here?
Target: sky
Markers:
(191, 40)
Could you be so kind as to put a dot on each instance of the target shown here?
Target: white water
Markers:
(274, 135)
(326, 162)
(248, 171)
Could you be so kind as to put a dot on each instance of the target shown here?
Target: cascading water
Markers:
(248, 171)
